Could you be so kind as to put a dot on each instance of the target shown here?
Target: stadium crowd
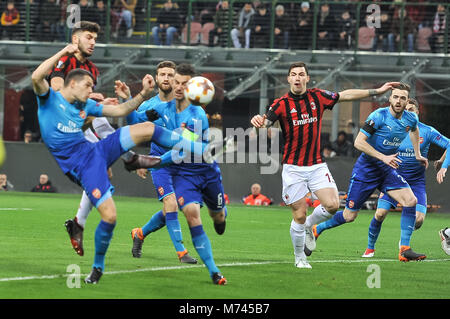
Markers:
(249, 25)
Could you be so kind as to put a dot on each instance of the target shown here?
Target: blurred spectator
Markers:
(325, 26)
(327, 151)
(34, 17)
(346, 30)
(261, 27)
(28, 137)
(256, 198)
(9, 20)
(123, 13)
(282, 27)
(50, 27)
(409, 30)
(44, 186)
(244, 26)
(28, 112)
(99, 17)
(381, 33)
(303, 28)
(342, 146)
(439, 22)
(168, 21)
(86, 10)
(221, 29)
(5, 185)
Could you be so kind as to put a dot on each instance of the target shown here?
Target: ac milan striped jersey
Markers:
(300, 117)
(70, 62)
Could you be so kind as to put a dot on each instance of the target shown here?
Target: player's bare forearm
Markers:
(362, 145)
(125, 108)
(414, 136)
(358, 94)
(40, 84)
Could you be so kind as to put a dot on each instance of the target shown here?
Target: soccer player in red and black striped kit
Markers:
(299, 113)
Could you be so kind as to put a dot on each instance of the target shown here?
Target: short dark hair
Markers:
(185, 69)
(165, 64)
(298, 65)
(77, 75)
(86, 26)
(413, 101)
(342, 133)
(404, 87)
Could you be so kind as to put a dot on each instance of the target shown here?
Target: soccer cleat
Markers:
(185, 258)
(75, 232)
(94, 276)
(445, 241)
(138, 240)
(141, 161)
(310, 239)
(369, 253)
(218, 279)
(220, 227)
(314, 231)
(407, 254)
(302, 263)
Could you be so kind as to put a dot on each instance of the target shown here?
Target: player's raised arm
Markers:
(40, 84)
(148, 83)
(357, 94)
(414, 135)
(362, 145)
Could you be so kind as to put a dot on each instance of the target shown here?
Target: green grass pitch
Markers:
(255, 255)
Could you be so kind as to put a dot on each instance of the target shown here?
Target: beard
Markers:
(165, 90)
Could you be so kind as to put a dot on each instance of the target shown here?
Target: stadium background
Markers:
(246, 81)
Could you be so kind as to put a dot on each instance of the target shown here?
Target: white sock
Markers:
(319, 215)
(447, 231)
(298, 239)
(84, 209)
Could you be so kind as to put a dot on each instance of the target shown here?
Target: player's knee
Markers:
(170, 203)
(380, 215)
(349, 215)
(331, 206)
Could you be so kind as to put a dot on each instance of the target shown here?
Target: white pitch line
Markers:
(119, 272)
(14, 208)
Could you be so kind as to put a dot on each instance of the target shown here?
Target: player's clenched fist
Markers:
(148, 83)
(71, 49)
(258, 121)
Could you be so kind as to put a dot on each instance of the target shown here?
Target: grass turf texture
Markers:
(255, 255)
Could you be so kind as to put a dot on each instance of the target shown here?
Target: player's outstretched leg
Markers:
(444, 234)
(407, 221)
(174, 229)
(157, 221)
(203, 247)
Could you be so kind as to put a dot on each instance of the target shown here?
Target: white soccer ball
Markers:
(199, 91)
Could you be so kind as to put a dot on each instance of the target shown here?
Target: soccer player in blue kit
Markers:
(194, 181)
(61, 115)
(379, 140)
(413, 173)
(161, 177)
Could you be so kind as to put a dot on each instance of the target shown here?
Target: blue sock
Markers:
(157, 221)
(169, 139)
(336, 220)
(226, 212)
(374, 231)
(203, 246)
(174, 229)
(103, 235)
(407, 222)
